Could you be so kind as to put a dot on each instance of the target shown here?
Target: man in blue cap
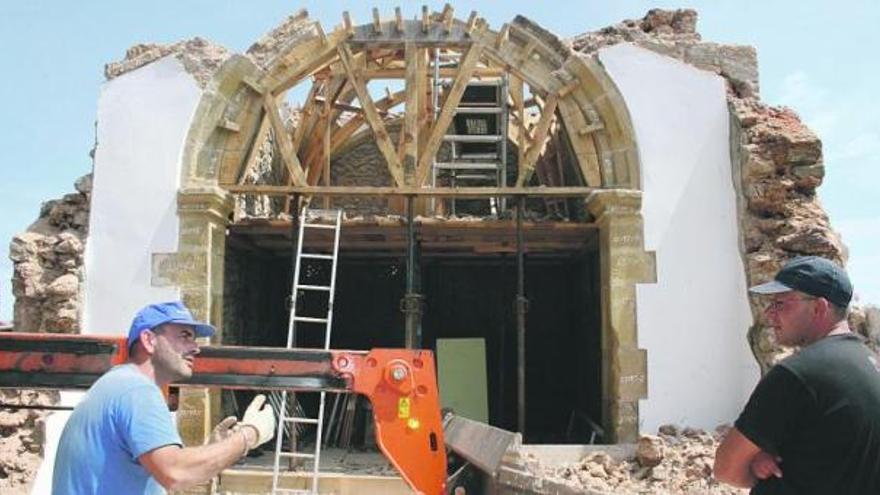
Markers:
(812, 424)
(122, 439)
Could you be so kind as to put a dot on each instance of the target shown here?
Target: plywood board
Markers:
(461, 370)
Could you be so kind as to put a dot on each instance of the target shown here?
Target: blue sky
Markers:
(816, 56)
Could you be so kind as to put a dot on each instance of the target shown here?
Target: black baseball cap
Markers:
(811, 275)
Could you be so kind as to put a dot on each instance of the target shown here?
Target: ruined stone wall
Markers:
(47, 273)
(199, 57)
(777, 160)
(48, 265)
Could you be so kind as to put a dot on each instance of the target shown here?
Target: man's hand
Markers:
(261, 418)
(223, 430)
(765, 465)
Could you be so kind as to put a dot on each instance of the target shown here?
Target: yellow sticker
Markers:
(403, 406)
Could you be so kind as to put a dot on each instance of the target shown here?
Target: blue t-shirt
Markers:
(122, 417)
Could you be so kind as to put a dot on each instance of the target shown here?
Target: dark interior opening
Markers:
(469, 296)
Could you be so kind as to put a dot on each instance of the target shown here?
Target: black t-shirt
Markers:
(820, 411)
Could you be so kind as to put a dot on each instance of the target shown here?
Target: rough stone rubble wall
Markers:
(47, 273)
(48, 265)
(777, 160)
(199, 57)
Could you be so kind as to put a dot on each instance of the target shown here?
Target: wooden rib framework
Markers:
(568, 98)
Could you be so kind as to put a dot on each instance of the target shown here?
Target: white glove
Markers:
(223, 430)
(261, 418)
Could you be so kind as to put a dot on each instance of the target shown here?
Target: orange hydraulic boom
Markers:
(401, 384)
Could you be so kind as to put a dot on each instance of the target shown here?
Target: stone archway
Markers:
(240, 110)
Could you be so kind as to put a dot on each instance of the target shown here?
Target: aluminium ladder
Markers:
(480, 123)
(309, 219)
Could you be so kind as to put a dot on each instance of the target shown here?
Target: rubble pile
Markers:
(21, 440)
(676, 461)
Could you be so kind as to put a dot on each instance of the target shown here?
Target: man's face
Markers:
(792, 316)
(175, 350)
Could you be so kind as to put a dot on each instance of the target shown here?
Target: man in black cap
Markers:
(812, 425)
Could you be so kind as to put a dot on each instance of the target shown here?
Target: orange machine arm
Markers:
(400, 383)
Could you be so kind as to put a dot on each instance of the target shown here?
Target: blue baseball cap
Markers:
(158, 314)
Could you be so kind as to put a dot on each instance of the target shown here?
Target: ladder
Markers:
(289, 416)
(477, 139)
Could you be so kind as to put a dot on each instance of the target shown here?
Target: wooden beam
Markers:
(517, 95)
(472, 21)
(465, 70)
(346, 22)
(326, 150)
(377, 21)
(308, 116)
(426, 19)
(398, 20)
(383, 141)
(301, 61)
(502, 36)
(311, 157)
(398, 71)
(254, 152)
(354, 123)
(527, 166)
(345, 107)
(448, 192)
(410, 128)
(282, 140)
(447, 17)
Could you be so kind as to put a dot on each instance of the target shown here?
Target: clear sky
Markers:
(816, 56)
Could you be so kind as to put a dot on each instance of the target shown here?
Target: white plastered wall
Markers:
(143, 120)
(693, 321)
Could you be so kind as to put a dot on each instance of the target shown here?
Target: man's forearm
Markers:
(184, 467)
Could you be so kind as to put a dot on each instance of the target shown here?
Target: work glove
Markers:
(223, 430)
(261, 418)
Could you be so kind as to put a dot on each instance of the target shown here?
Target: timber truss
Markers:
(564, 113)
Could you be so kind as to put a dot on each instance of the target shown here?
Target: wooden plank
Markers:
(397, 71)
(254, 152)
(410, 129)
(465, 70)
(383, 141)
(326, 149)
(282, 139)
(449, 192)
(516, 91)
(527, 167)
